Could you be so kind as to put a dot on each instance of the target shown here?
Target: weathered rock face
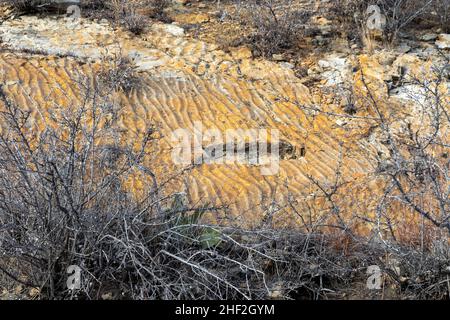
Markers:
(443, 41)
(57, 36)
(336, 69)
(187, 81)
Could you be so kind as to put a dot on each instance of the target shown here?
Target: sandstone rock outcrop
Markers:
(187, 81)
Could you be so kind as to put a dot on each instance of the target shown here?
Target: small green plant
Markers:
(189, 224)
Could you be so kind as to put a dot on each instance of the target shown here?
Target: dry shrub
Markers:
(134, 15)
(134, 22)
(276, 26)
(64, 201)
(399, 15)
(126, 13)
(119, 73)
(441, 9)
(157, 9)
(26, 5)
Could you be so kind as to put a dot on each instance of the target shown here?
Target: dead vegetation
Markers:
(64, 200)
(119, 73)
(441, 10)
(25, 5)
(399, 14)
(135, 16)
(276, 26)
(280, 26)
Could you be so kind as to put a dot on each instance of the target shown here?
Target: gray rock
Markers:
(429, 37)
(287, 65)
(443, 42)
(169, 28)
(278, 57)
(403, 48)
